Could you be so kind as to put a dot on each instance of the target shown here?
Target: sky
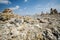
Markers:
(29, 7)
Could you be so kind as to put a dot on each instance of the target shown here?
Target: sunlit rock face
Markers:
(43, 27)
(7, 11)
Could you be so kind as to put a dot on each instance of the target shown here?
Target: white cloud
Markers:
(5, 2)
(25, 0)
(14, 8)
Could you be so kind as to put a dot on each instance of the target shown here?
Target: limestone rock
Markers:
(7, 11)
(42, 27)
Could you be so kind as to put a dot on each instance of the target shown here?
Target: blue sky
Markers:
(29, 7)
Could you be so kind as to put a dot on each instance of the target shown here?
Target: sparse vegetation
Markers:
(53, 11)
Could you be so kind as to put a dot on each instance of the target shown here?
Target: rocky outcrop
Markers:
(7, 11)
(44, 27)
(7, 14)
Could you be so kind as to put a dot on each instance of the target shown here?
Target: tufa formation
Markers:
(42, 27)
(7, 11)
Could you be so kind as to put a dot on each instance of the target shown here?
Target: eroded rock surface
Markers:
(14, 27)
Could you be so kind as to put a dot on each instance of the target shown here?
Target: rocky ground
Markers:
(39, 27)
